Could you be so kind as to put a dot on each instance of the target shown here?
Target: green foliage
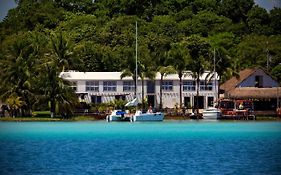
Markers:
(236, 9)
(276, 72)
(39, 39)
(258, 21)
(256, 50)
(15, 103)
(179, 58)
(275, 22)
(27, 15)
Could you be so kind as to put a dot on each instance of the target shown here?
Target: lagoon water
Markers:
(190, 147)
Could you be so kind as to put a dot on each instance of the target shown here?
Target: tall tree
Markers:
(259, 50)
(275, 23)
(62, 52)
(223, 44)
(56, 89)
(198, 49)
(19, 68)
(179, 58)
(236, 10)
(258, 21)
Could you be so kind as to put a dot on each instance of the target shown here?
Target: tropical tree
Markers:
(15, 103)
(19, 68)
(258, 21)
(236, 10)
(62, 51)
(198, 49)
(164, 71)
(130, 71)
(276, 72)
(146, 70)
(222, 45)
(259, 50)
(179, 57)
(57, 90)
(275, 23)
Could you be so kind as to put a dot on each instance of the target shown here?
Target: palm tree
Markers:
(130, 71)
(62, 51)
(198, 67)
(164, 71)
(179, 58)
(145, 71)
(162, 58)
(19, 69)
(199, 49)
(225, 65)
(57, 90)
(15, 103)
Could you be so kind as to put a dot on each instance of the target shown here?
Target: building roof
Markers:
(72, 75)
(253, 92)
(233, 82)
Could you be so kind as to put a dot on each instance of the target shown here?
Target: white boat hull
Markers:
(212, 114)
(149, 117)
(111, 118)
(158, 116)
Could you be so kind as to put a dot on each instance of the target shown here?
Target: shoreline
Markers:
(87, 118)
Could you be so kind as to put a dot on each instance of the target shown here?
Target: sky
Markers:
(5, 5)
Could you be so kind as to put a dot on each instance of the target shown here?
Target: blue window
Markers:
(109, 86)
(92, 86)
(205, 86)
(189, 85)
(167, 85)
(128, 86)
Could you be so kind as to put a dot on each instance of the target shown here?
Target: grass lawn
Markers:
(46, 116)
(27, 119)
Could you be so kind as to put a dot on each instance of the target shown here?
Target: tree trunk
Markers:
(161, 92)
(197, 96)
(180, 76)
(53, 107)
(142, 93)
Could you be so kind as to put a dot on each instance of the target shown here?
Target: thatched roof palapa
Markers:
(253, 92)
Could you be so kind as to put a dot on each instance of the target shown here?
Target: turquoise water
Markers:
(140, 148)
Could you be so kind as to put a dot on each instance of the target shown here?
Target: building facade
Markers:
(102, 87)
(254, 84)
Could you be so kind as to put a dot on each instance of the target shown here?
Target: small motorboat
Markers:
(212, 113)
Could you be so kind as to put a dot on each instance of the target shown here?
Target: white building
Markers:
(100, 87)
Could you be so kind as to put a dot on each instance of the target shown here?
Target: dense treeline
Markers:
(40, 38)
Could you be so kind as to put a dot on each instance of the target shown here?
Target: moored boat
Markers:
(212, 113)
(149, 116)
(118, 115)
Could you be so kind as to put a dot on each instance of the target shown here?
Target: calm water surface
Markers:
(140, 148)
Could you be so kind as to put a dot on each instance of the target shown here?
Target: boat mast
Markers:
(136, 84)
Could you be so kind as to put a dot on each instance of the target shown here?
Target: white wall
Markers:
(170, 98)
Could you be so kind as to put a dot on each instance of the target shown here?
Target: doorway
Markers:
(200, 100)
(187, 102)
(151, 100)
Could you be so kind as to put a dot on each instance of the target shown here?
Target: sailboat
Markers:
(139, 115)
